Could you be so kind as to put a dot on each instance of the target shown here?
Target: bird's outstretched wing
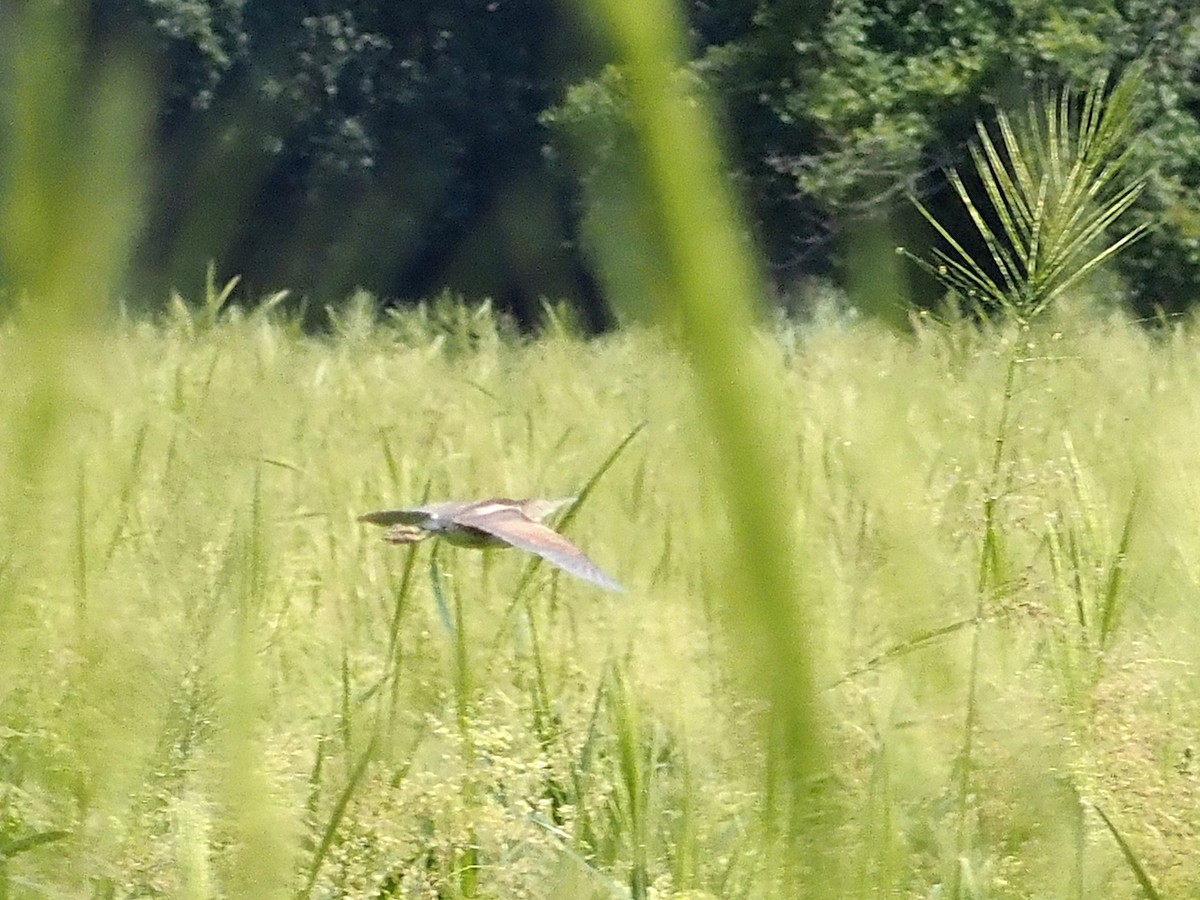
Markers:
(540, 509)
(513, 528)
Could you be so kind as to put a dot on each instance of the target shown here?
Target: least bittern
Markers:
(492, 523)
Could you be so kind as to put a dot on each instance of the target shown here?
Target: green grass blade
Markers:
(81, 543)
(1005, 192)
(1131, 860)
(329, 832)
(590, 485)
(1005, 260)
(920, 641)
(346, 718)
(439, 597)
(125, 498)
(11, 848)
(1110, 601)
(1025, 185)
(964, 265)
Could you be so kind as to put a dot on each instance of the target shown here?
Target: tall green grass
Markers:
(251, 694)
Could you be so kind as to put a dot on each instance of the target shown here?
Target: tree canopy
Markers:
(407, 147)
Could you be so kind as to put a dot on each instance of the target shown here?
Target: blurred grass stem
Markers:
(713, 283)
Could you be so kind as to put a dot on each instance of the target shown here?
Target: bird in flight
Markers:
(492, 523)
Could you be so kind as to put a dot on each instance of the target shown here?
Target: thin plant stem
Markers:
(988, 564)
(81, 549)
(395, 654)
(468, 868)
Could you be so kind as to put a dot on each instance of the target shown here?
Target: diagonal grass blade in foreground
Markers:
(713, 285)
(1135, 866)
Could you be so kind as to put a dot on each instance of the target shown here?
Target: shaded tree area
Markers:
(408, 147)
(837, 110)
(390, 146)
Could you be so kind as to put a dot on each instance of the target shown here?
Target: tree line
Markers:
(473, 144)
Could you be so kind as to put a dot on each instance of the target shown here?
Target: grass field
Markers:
(214, 682)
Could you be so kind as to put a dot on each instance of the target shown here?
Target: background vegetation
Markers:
(215, 683)
(404, 148)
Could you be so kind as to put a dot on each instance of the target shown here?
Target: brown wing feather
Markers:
(513, 528)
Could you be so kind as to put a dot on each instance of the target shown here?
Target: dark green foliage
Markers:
(836, 110)
(327, 146)
(403, 147)
(884, 97)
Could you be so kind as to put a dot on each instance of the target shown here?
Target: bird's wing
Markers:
(395, 517)
(540, 509)
(515, 529)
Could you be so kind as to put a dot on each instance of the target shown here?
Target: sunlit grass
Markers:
(217, 671)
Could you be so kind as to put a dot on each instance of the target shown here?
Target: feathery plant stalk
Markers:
(1055, 184)
(711, 280)
(988, 579)
(1054, 188)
